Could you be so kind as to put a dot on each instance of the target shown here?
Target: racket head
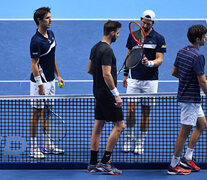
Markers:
(54, 125)
(134, 58)
(137, 32)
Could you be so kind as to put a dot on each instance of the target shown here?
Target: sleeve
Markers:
(34, 49)
(107, 57)
(91, 54)
(161, 45)
(198, 65)
(176, 61)
(129, 43)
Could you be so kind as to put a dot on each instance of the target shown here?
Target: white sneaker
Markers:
(36, 153)
(128, 143)
(139, 148)
(51, 149)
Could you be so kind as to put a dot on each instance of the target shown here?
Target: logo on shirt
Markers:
(163, 46)
(35, 53)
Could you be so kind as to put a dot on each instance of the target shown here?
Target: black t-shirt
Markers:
(102, 54)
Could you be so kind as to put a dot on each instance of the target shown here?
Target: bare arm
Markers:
(174, 72)
(157, 61)
(110, 83)
(89, 69)
(35, 71)
(108, 77)
(125, 77)
(59, 78)
(202, 82)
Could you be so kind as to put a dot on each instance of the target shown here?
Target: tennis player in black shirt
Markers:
(102, 65)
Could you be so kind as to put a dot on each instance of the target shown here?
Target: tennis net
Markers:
(77, 111)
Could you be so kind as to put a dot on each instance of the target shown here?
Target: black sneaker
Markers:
(93, 168)
(189, 164)
(109, 168)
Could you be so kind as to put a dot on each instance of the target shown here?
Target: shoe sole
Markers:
(138, 153)
(175, 173)
(56, 153)
(114, 173)
(32, 156)
(93, 171)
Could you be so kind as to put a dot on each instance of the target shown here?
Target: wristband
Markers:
(115, 92)
(38, 80)
(150, 64)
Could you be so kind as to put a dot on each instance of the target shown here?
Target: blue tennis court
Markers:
(73, 58)
(77, 29)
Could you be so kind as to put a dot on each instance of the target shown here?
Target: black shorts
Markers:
(106, 110)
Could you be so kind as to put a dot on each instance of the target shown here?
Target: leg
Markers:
(96, 134)
(131, 114)
(130, 122)
(187, 161)
(105, 165)
(45, 126)
(144, 126)
(112, 140)
(34, 150)
(115, 134)
(179, 145)
(181, 139)
(34, 123)
(95, 140)
(200, 126)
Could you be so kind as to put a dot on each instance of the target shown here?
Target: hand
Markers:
(145, 61)
(60, 80)
(41, 89)
(119, 102)
(125, 81)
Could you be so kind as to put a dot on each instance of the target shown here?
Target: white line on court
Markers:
(77, 81)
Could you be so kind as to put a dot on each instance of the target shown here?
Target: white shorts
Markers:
(136, 86)
(49, 91)
(190, 112)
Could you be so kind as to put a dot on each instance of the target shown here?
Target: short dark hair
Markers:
(40, 14)
(196, 31)
(111, 26)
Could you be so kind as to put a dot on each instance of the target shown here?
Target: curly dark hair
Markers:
(196, 31)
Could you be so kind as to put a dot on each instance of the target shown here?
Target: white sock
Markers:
(130, 131)
(175, 161)
(189, 154)
(142, 136)
(33, 142)
(46, 140)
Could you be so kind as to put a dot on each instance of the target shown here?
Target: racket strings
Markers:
(138, 36)
(54, 125)
(134, 57)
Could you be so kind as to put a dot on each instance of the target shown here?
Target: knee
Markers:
(120, 128)
(99, 129)
(205, 125)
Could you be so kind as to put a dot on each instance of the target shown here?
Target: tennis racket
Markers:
(136, 54)
(54, 125)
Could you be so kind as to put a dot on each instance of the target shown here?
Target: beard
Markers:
(146, 30)
(113, 39)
